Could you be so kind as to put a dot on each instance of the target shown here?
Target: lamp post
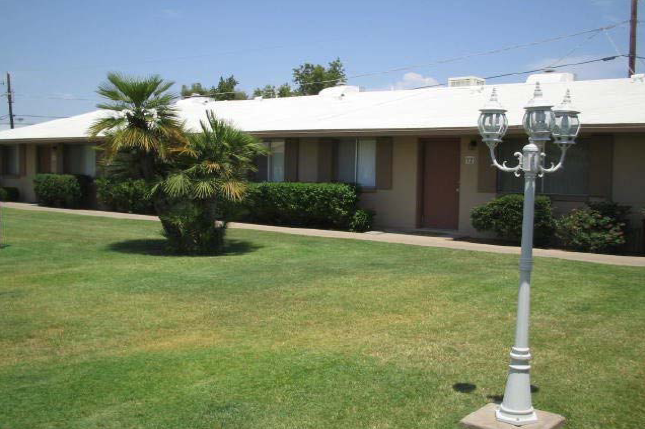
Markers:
(540, 122)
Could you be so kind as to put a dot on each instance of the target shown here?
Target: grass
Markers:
(100, 329)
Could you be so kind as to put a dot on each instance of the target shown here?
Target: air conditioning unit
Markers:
(455, 82)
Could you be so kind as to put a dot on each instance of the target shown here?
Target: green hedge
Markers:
(598, 228)
(127, 195)
(504, 214)
(62, 190)
(8, 193)
(310, 205)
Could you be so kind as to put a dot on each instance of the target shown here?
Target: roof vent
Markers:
(339, 90)
(456, 82)
(549, 76)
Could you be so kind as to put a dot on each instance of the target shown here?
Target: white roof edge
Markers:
(604, 103)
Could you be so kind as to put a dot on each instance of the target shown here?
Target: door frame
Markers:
(421, 153)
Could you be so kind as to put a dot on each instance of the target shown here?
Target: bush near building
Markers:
(504, 214)
(62, 190)
(8, 193)
(309, 205)
(124, 195)
(598, 228)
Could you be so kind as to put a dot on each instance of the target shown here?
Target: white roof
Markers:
(607, 102)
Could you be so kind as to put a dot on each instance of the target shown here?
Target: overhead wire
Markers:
(593, 32)
(416, 93)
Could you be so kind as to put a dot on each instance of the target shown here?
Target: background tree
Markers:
(226, 90)
(267, 92)
(311, 79)
(195, 88)
(285, 90)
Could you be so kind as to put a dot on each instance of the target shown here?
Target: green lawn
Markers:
(100, 329)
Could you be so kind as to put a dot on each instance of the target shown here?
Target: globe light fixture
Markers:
(538, 117)
(566, 124)
(540, 122)
(492, 121)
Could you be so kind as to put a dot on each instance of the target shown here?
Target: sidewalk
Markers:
(383, 237)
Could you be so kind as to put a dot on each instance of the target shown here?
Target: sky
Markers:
(58, 52)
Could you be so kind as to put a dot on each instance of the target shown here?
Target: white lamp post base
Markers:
(516, 418)
(486, 418)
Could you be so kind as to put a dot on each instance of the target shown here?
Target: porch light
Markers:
(566, 124)
(492, 122)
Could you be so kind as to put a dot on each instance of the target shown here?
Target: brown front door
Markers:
(44, 155)
(440, 208)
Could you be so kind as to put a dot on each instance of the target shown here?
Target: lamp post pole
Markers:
(541, 122)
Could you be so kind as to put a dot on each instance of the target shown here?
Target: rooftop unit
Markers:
(455, 82)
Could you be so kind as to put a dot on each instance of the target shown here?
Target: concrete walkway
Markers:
(384, 237)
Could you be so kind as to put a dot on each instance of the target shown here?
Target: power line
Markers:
(575, 48)
(42, 116)
(416, 93)
(593, 32)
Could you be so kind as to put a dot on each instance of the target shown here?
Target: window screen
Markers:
(276, 161)
(573, 179)
(10, 160)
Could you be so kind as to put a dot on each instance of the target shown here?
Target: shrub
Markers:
(612, 210)
(362, 220)
(598, 228)
(313, 205)
(211, 171)
(588, 230)
(125, 195)
(503, 216)
(61, 190)
(9, 194)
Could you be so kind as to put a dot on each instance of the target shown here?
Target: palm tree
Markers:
(144, 128)
(210, 171)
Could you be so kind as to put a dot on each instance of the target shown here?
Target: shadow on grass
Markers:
(159, 247)
(499, 398)
(464, 387)
(469, 388)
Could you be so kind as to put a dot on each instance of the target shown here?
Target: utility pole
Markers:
(633, 23)
(10, 100)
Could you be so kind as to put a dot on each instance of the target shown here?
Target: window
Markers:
(79, 159)
(366, 163)
(356, 161)
(346, 161)
(10, 155)
(276, 160)
(572, 180)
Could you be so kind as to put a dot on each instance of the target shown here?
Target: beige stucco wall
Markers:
(469, 197)
(24, 183)
(308, 160)
(628, 173)
(397, 207)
